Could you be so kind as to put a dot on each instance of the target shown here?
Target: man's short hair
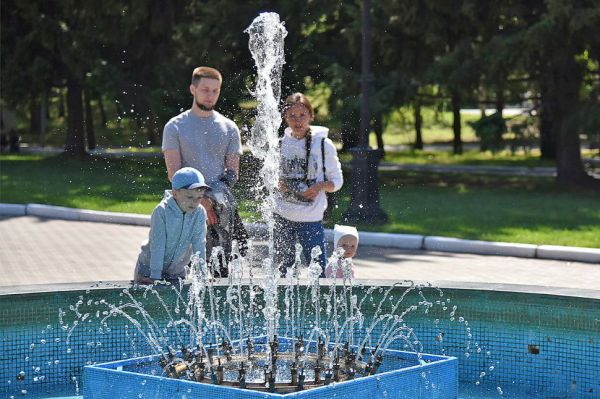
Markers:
(205, 72)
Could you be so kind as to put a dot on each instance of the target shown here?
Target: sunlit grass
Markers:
(436, 128)
(508, 209)
(472, 157)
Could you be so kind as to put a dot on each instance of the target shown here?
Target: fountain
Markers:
(326, 340)
(256, 335)
(337, 347)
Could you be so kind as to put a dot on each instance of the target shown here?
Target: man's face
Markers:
(350, 244)
(188, 200)
(206, 93)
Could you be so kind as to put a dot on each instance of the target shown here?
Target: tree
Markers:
(551, 44)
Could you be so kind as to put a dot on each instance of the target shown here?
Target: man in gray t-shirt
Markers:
(204, 143)
(208, 141)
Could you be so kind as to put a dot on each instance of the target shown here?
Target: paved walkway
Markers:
(47, 252)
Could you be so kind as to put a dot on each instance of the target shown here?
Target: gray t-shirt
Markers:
(203, 143)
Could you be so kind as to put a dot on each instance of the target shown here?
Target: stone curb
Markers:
(84, 215)
(446, 244)
(401, 241)
(13, 209)
(569, 253)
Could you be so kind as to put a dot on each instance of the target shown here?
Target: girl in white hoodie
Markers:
(309, 168)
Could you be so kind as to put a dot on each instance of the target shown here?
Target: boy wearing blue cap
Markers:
(177, 230)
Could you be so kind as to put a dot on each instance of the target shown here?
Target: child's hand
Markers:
(282, 187)
(211, 215)
(312, 192)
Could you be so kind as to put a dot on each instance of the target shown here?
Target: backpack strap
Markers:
(323, 158)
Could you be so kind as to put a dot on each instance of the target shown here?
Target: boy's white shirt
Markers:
(292, 148)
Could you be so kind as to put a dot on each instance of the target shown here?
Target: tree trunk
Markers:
(119, 111)
(34, 115)
(500, 100)
(102, 112)
(61, 103)
(47, 103)
(43, 115)
(481, 100)
(89, 121)
(378, 129)
(418, 145)
(150, 135)
(457, 145)
(349, 126)
(567, 78)
(547, 138)
(75, 144)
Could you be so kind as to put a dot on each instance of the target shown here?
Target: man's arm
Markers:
(232, 162)
(172, 161)
(232, 172)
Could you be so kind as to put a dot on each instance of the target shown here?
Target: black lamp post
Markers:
(364, 192)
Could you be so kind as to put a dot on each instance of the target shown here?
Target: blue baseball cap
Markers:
(188, 178)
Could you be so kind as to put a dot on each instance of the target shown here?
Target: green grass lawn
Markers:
(110, 184)
(527, 210)
(437, 127)
(473, 157)
(491, 208)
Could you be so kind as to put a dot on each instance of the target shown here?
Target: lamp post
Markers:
(364, 192)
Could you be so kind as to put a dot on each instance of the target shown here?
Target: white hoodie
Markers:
(293, 155)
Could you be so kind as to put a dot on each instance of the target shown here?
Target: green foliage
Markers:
(490, 129)
(136, 57)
